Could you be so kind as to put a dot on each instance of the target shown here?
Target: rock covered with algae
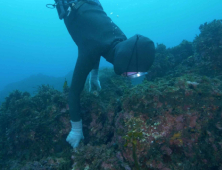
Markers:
(172, 121)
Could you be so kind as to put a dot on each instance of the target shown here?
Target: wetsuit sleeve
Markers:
(96, 66)
(83, 66)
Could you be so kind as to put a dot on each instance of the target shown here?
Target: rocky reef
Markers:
(171, 121)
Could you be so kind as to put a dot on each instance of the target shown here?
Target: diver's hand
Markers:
(75, 134)
(94, 83)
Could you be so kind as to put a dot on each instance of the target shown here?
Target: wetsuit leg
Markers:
(83, 66)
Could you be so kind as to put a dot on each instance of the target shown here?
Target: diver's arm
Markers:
(94, 83)
(82, 69)
(83, 66)
(96, 66)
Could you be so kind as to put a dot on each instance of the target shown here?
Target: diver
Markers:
(97, 35)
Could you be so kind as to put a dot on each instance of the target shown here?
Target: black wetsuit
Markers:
(95, 35)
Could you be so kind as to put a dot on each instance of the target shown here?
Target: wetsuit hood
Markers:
(135, 54)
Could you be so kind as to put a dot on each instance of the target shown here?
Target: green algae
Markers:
(184, 97)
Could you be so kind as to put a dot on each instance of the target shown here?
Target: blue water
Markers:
(33, 40)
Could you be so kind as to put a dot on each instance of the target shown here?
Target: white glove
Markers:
(76, 134)
(94, 80)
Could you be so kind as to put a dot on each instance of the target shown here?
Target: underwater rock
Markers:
(208, 47)
(171, 122)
